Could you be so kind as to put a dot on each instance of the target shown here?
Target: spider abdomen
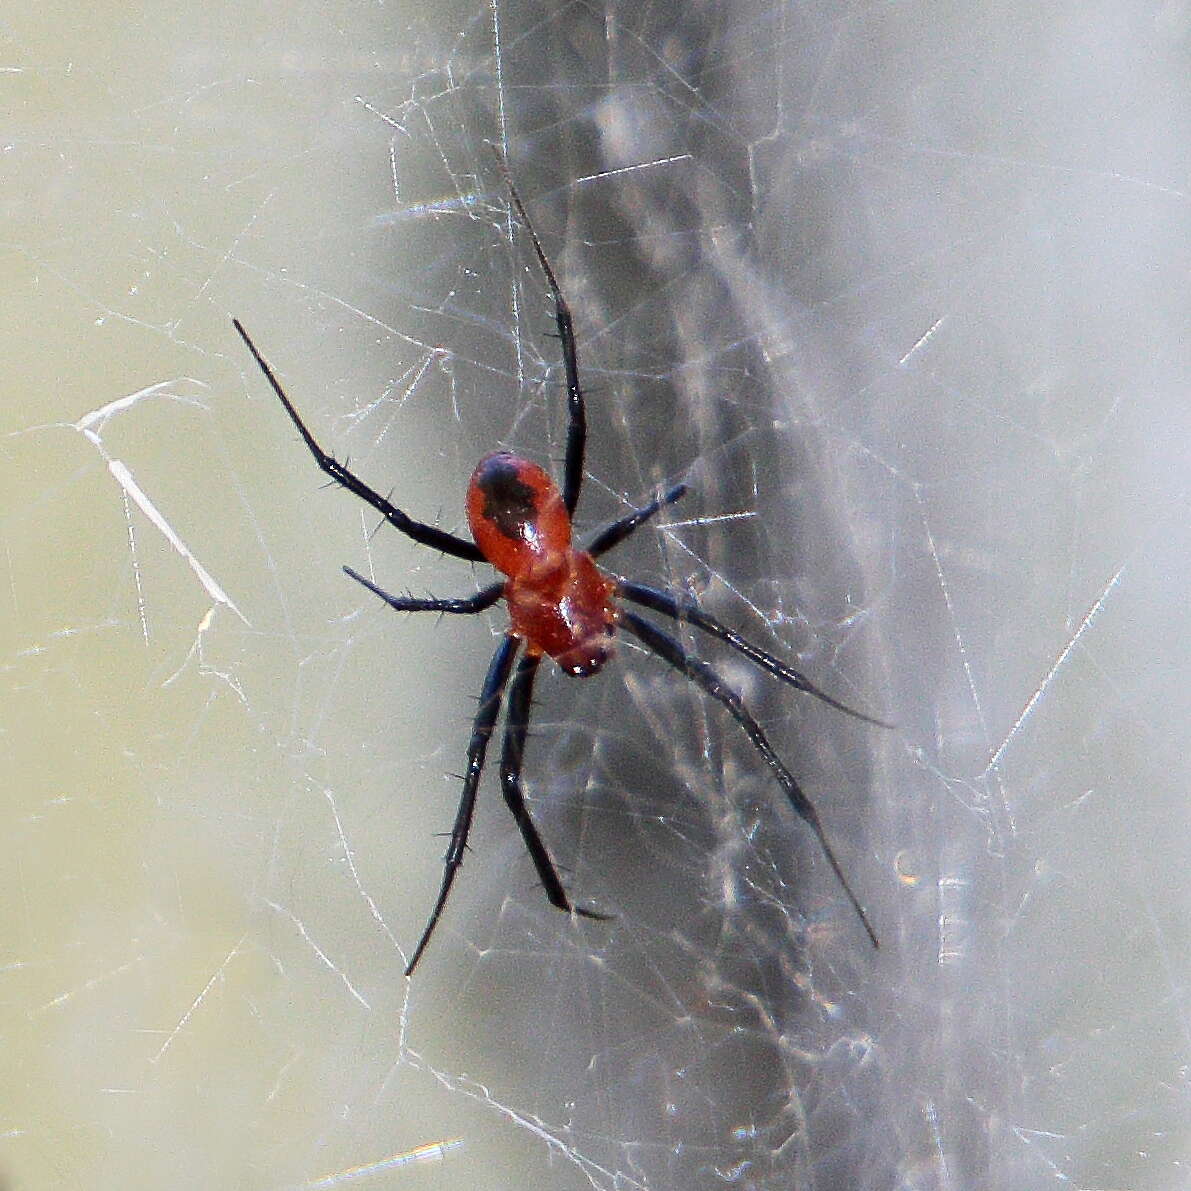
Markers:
(516, 513)
(559, 601)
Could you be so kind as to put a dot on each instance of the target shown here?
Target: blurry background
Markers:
(902, 291)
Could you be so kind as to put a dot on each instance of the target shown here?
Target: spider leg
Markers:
(703, 676)
(576, 413)
(690, 612)
(426, 535)
(484, 598)
(481, 733)
(616, 533)
(513, 754)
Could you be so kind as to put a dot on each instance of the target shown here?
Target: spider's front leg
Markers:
(703, 676)
(517, 714)
(491, 697)
(686, 611)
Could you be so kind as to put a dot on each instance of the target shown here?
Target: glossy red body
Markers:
(559, 602)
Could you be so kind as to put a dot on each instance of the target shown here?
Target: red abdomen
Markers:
(559, 602)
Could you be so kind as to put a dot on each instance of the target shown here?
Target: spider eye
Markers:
(586, 658)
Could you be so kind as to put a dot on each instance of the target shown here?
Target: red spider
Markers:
(560, 604)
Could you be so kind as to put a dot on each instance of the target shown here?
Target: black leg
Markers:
(616, 533)
(576, 414)
(481, 733)
(483, 599)
(513, 755)
(669, 650)
(427, 535)
(691, 613)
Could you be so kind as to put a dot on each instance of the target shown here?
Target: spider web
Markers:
(901, 292)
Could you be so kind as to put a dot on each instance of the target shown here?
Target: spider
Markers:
(560, 604)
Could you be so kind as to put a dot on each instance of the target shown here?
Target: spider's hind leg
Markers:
(426, 535)
(612, 535)
(576, 410)
(464, 606)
